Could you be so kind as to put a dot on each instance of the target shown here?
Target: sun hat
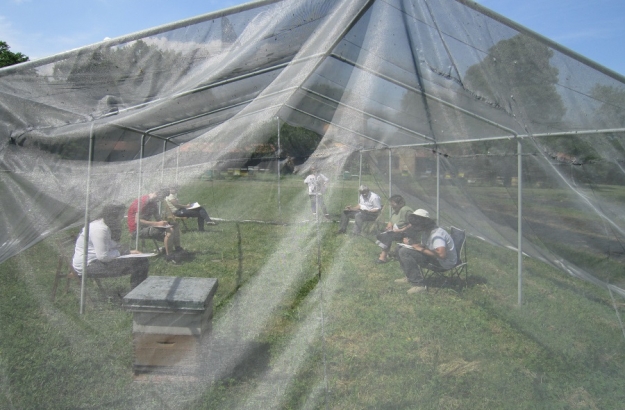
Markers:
(422, 213)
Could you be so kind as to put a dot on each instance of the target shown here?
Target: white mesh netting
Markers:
(488, 126)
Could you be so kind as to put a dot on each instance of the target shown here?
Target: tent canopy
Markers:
(384, 73)
(364, 75)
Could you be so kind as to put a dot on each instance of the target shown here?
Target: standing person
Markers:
(439, 250)
(150, 226)
(368, 209)
(188, 210)
(396, 227)
(103, 249)
(317, 184)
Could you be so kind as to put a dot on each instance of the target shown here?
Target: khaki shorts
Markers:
(151, 232)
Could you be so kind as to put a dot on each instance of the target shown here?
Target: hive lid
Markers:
(171, 293)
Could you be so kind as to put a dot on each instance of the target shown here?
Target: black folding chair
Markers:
(459, 238)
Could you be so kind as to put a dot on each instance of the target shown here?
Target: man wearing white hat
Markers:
(439, 250)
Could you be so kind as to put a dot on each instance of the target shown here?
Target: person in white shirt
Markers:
(317, 184)
(103, 249)
(439, 250)
(368, 209)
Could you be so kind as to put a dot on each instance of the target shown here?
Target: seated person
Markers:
(187, 211)
(396, 227)
(103, 249)
(150, 225)
(439, 250)
(368, 209)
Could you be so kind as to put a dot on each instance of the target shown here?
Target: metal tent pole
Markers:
(139, 194)
(390, 179)
(359, 175)
(177, 162)
(163, 161)
(278, 163)
(520, 219)
(438, 187)
(86, 226)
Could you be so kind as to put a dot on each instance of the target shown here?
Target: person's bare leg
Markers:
(175, 234)
(383, 255)
(168, 243)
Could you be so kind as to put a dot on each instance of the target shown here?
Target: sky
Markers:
(39, 28)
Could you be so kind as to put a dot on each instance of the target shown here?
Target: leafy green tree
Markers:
(297, 142)
(517, 71)
(8, 58)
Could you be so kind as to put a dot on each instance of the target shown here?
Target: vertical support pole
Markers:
(139, 194)
(278, 162)
(237, 295)
(520, 218)
(316, 203)
(163, 161)
(86, 226)
(177, 162)
(390, 178)
(359, 177)
(438, 187)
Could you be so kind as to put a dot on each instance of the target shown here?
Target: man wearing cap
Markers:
(368, 209)
(439, 250)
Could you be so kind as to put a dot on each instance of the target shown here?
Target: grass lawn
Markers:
(291, 333)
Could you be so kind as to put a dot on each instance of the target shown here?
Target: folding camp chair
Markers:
(459, 238)
(169, 216)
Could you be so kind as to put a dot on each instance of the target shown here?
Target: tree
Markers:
(296, 142)
(517, 72)
(8, 58)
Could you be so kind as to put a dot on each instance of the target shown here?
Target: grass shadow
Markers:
(251, 361)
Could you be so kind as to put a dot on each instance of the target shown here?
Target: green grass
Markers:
(380, 347)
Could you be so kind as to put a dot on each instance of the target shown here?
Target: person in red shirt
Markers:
(150, 225)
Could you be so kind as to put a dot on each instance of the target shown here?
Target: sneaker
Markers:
(417, 289)
(171, 259)
(380, 261)
(402, 280)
